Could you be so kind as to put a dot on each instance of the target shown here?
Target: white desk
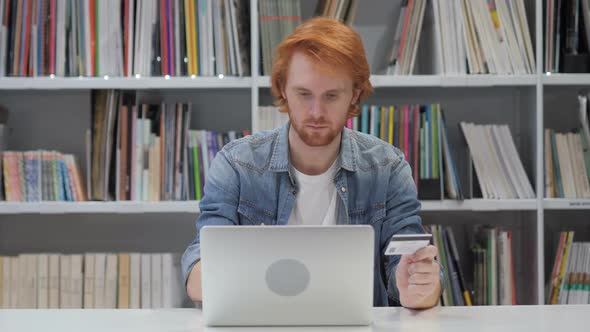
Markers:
(440, 319)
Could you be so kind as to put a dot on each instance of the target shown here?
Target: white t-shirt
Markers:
(316, 200)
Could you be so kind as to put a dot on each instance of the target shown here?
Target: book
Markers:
(91, 280)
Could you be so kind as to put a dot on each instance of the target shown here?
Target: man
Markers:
(315, 171)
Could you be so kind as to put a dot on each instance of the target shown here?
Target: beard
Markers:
(316, 137)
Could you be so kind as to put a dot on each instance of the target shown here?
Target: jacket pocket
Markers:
(367, 215)
(250, 214)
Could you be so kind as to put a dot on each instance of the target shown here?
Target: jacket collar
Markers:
(279, 161)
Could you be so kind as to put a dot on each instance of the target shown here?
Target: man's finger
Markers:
(422, 279)
(421, 290)
(426, 253)
(424, 267)
(405, 259)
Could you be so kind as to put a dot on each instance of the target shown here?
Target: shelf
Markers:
(438, 81)
(80, 83)
(481, 205)
(99, 207)
(452, 81)
(566, 79)
(566, 204)
(128, 207)
(85, 83)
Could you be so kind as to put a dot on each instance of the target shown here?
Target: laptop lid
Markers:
(287, 275)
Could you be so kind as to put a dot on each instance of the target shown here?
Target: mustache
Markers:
(318, 122)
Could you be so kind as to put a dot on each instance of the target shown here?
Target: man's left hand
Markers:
(418, 279)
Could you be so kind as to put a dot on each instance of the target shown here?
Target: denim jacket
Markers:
(249, 183)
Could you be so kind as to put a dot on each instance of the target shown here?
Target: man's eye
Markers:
(332, 96)
(304, 94)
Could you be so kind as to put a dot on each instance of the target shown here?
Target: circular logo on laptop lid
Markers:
(287, 277)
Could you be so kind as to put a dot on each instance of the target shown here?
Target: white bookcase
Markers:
(54, 113)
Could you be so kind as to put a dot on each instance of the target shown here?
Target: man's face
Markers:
(318, 100)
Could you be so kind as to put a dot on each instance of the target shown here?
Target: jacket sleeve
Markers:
(402, 207)
(217, 207)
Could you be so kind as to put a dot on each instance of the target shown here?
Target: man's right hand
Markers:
(193, 286)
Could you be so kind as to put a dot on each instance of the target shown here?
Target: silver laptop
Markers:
(287, 275)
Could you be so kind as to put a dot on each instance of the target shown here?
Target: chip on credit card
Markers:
(407, 244)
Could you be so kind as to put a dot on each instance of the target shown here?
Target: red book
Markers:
(92, 21)
(407, 131)
(27, 31)
(29, 71)
(17, 41)
(509, 233)
(132, 193)
(405, 30)
(163, 38)
(171, 47)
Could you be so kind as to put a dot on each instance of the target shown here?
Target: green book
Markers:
(443, 261)
(435, 135)
(197, 169)
(422, 157)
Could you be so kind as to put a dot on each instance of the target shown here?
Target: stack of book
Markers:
(145, 152)
(203, 145)
(499, 170)
(124, 38)
(567, 35)
(567, 159)
(270, 118)
(481, 37)
(419, 131)
(406, 37)
(455, 292)
(570, 277)
(493, 268)
(35, 176)
(277, 20)
(91, 280)
(470, 37)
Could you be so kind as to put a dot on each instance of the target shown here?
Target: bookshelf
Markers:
(86, 83)
(124, 207)
(53, 113)
(133, 207)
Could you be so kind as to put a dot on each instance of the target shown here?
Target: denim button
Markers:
(343, 189)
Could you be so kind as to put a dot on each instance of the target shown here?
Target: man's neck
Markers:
(312, 160)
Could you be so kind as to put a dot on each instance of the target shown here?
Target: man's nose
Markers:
(316, 109)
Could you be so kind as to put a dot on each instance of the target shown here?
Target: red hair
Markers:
(327, 41)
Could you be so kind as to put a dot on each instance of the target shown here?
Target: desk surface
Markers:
(440, 319)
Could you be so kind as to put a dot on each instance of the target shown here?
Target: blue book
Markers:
(365, 119)
(377, 123)
(67, 182)
(59, 186)
(22, 70)
(35, 184)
